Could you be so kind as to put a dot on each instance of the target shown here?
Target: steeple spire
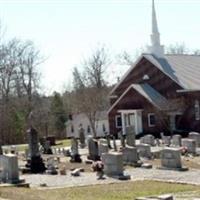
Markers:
(155, 48)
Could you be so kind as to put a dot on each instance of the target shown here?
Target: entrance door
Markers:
(132, 118)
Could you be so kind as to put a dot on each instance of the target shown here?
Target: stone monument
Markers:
(130, 136)
(113, 165)
(144, 150)
(148, 139)
(93, 149)
(35, 162)
(82, 136)
(75, 156)
(171, 159)
(195, 136)
(190, 144)
(10, 171)
(130, 156)
(176, 141)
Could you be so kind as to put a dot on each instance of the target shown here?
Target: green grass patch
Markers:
(117, 191)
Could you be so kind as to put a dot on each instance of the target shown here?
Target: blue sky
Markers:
(66, 31)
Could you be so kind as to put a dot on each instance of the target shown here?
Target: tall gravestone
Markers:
(93, 149)
(75, 156)
(130, 136)
(35, 163)
(103, 147)
(82, 136)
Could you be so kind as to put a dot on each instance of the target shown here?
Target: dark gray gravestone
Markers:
(130, 136)
(82, 136)
(35, 163)
(93, 149)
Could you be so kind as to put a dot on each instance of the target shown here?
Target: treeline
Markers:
(19, 94)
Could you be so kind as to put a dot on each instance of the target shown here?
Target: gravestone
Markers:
(9, 166)
(35, 163)
(195, 136)
(171, 159)
(144, 150)
(130, 136)
(93, 149)
(75, 156)
(130, 156)
(103, 147)
(148, 139)
(176, 140)
(166, 140)
(82, 136)
(51, 166)
(47, 147)
(113, 165)
(190, 145)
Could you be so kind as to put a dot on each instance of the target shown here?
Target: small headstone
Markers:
(130, 155)
(166, 140)
(93, 149)
(195, 136)
(171, 159)
(113, 165)
(190, 145)
(148, 139)
(130, 136)
(51, 168)
(9, 166)
(144, 151)
(176, 140)
(47, 147)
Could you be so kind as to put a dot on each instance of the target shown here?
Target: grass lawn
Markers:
(117, 191)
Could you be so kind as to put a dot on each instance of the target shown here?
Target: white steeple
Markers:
(155, 48)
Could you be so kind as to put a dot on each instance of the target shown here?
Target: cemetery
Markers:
(142, 142)
(94, 163)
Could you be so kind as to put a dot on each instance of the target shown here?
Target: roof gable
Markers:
(182, 69)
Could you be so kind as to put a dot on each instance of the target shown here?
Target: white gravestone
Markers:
(130, 155)
(144, 150)
(148, 139)
(190, 145)
(171, 158)
(9, 167)
(195, 136)
(176, 141)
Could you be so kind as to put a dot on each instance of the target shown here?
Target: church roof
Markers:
(149, 93)
(183, 69)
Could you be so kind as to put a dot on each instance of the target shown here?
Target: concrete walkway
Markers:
(89, 178)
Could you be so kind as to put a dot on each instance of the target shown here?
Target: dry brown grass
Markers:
(125, 191)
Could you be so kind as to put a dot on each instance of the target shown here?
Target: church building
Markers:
(159, 93)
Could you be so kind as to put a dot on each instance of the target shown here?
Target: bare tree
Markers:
(90, 89)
